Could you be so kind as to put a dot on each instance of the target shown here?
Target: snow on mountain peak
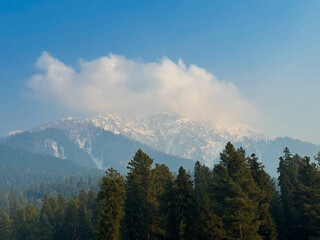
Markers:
(14, 132)
(168, 132)
(178, 135)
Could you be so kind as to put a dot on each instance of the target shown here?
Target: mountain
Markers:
(177, 135)
(200, 140)
(22, 168)
(90, 146)
(111, 140)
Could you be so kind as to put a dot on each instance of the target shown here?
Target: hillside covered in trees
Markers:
(236, 199)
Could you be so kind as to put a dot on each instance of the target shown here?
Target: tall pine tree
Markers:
(185, 207)
(111, 198)
(210, 225)
(137, 204)
(236, 195)
(5, 226)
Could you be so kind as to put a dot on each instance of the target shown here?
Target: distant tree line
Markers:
(237, 199)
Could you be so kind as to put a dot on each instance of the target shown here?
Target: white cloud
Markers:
(120, 85)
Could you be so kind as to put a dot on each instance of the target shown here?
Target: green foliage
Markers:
(299, 180)
(24, 169)
(162, 179)
(5, 226)
(185, 207)
(29, 223)
(138, 196)
(111, 199)
(235, 200)
(46, 229)
(265, 193)
(210, 225)
(236, 195)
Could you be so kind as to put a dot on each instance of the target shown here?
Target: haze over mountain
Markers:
(111, 140)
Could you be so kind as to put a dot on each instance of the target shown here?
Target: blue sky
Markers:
(270, 50)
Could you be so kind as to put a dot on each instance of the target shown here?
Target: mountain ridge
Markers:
(168, 133)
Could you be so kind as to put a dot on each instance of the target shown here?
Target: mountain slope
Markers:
(177, 135)
(203, 141)
(22, 168)
(111, 140)
(85, 144)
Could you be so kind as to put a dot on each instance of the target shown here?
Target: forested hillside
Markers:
(234, 200)
(22, 168)
(88, 146)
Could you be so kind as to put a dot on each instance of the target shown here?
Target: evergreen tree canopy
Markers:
(111, 198)
(138, 196)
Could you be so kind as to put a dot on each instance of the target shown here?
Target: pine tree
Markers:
(236, 195)
(306, 200)
(267, 229)
(210, 225)
(185, 207)
(161, 179)
(85, 228)
(288, 171)
(138, 190)
(16, 214)
(202, 180)
(71, 219)
(92, 205)
(46, 229)
(30, 224)
(111, 199)
(5, 226)
(167, 211)
(59, 218)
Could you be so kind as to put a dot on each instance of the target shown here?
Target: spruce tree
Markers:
(59, 218)
(202, 180)
(306, 200)
(46, 228)
(85, 228)
(210, 225)
(30, 224)
(288, 171)
(267, 229)
(162, 180)
(5, 226)
(111, 199)
(185, 207)
(236, 195)
(137, 203)
(71, 219)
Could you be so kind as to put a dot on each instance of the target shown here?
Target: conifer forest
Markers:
(236, 199)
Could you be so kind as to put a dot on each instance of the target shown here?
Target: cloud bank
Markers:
(115, 84)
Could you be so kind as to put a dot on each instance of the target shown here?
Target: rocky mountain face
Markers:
(111, 140)
(179, 136)
(88, 145)
(203, 141)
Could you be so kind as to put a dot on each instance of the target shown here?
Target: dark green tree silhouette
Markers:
(5, 226)
(236, 195)
(267, 229)
(185, 207)
(210, 225)
(138, 195)
(111, 198)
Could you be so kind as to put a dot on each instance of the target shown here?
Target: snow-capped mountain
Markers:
(177, 135)
(84, 143)
(111, 140)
